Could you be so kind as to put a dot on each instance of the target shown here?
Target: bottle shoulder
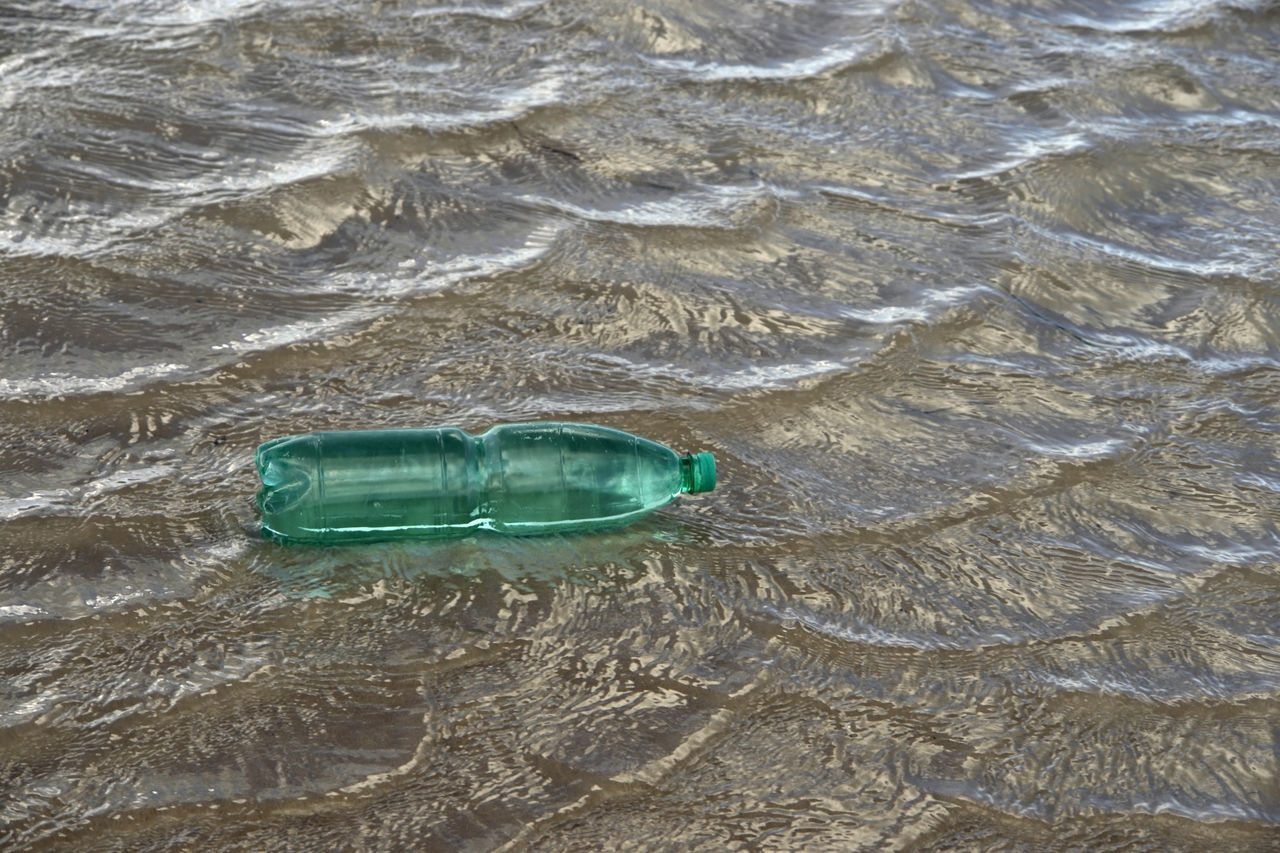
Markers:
(575, 436)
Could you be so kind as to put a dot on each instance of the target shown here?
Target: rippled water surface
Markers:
(975, 302)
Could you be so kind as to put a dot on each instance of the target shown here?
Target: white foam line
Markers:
(707, 205)
(187, 16)
(755, 377)
(857, 632)
(286, 334)
(1228, 364)
(52, 501)
(1161, 17)
(905, 206)
(257, 175)
(61, 384)
(94, 234)
(507, 12)
(1162, 263)
(1027, 152)
(923, 310)
(112, 600)
(1137, 347)
(1233, 555)
(1149, 690)
(22, 613)
(1098, 449)
(509, 104)
(827, 59)
(185, 13)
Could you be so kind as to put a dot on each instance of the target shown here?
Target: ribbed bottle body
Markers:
(367, 485)
(335, 487)
(545, 477)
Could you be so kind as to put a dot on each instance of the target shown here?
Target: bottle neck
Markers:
(697, 472)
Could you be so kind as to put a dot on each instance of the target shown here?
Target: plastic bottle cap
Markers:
(700, 472)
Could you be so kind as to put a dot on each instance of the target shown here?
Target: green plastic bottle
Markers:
(377, 485)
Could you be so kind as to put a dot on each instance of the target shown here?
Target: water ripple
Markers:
(973, 302)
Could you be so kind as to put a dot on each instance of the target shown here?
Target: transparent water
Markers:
(975, 302)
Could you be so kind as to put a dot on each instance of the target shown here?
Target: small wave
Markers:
(1136, 347)
(251, 175)
(702, 207)
(1078, 450)
(1027, 152)
(830, 58)
(60, 600)
(434, 276)
(1233, 554)
(757, 377)
(761, 377)
(505, 12)
(143, 18)
(131, 695)
(1150, 260)
(1163, 17)
(302, 331)
(53, 501)
(503, 105)
(376, 292)
(924, 310)
(962, 218)
(850, 628)
(82, 229)
(1056, 805)
(1183, 687)
(55, 385)
(22, 613)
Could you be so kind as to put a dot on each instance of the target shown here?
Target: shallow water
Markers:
(975, 303)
